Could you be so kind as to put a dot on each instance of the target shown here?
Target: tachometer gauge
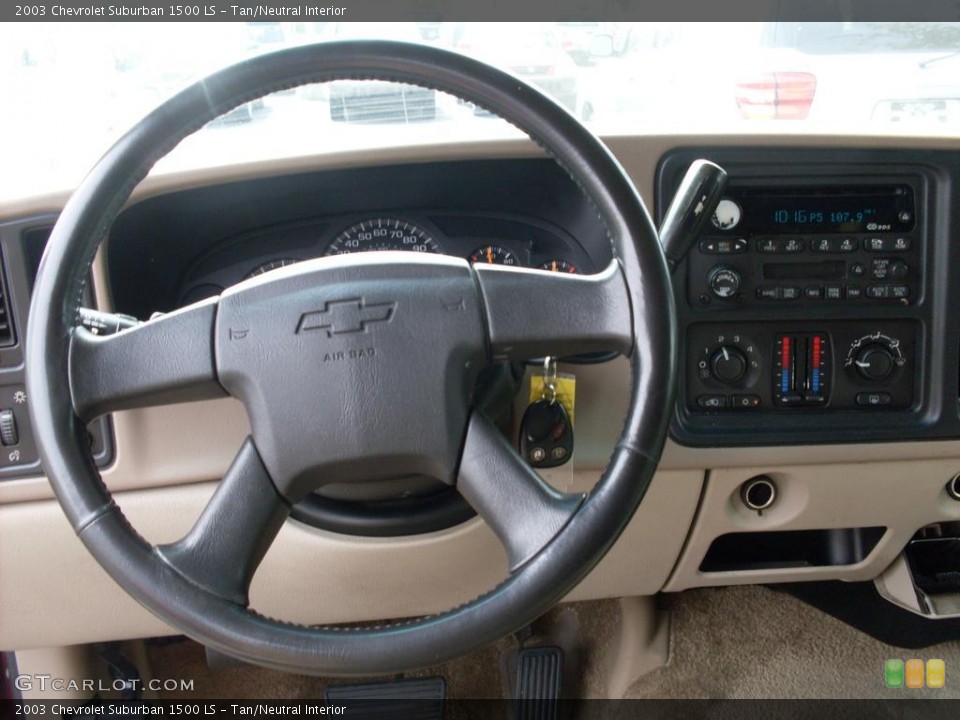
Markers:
(493, 255)
(270, 265)
(560, 266)
(384, 233)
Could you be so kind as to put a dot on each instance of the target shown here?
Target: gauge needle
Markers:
(490, 254)
(861, 363)
(726, 355)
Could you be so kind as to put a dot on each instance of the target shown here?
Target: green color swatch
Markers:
(893, 673)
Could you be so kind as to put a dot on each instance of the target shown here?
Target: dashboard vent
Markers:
(7, 335)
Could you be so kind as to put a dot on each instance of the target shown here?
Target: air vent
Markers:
(7, 335)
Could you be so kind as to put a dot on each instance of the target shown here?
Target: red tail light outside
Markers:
(777, 96)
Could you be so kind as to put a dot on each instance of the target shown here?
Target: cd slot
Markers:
(831, 270)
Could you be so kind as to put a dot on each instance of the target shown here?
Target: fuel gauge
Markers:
(493, 255)
(561, 266)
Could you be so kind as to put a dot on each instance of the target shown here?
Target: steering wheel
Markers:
(353, 368)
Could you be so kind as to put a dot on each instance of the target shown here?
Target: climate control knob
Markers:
(724, 282)
(728, 364)
(875, 362)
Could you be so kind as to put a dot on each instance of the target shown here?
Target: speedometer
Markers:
(383, 233)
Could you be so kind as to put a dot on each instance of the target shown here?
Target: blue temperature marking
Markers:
(785, 380)
(815, 381)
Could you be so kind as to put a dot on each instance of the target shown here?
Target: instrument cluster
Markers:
(496, 240)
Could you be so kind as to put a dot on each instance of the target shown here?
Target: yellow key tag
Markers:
(566, 390)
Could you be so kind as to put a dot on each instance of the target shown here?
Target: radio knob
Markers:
(728, 364)
(875, 362)
(724, 282)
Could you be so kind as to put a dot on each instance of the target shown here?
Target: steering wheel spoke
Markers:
(223, 550)
(531, 313)
(521, 509)
(166, 360)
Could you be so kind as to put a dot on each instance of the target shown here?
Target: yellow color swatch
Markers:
(936, 673)
(914, 673)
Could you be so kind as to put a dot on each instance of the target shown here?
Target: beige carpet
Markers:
(751, 642)
(746, 642)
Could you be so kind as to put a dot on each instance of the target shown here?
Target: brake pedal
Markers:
(539, 682)
(403, 699)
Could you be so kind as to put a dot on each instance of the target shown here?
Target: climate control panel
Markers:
(800, 367)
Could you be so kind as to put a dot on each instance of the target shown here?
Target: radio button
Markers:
(854, 292)
(889, 269)
(814, 292)
(833, 245)
(781, 245)
(886, 244)
(723, 246)
(768, 292)
(745, 401)
(833, 292)
(858, 269)
(882, 292)
(790, 293)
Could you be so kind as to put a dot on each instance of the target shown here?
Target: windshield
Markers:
(68, 95)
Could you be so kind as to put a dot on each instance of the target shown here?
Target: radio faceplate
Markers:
(852, 243)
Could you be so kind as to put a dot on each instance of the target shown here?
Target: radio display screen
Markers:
(821, 210)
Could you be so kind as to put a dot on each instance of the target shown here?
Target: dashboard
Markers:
(816, 351)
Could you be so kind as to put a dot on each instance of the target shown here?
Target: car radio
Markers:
(832, 244)
(805, 298)
(810, 304)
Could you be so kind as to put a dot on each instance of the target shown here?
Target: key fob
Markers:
(546, 435)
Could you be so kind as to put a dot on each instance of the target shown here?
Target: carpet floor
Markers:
(726, 643)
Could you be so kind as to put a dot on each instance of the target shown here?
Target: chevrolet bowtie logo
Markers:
(346, 316)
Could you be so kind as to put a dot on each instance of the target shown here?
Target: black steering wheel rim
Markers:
(152, 576)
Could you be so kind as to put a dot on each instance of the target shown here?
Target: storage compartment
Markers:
(790, 549)
(934, 558)
(935, 565)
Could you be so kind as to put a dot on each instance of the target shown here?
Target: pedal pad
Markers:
(539, 682)
(404, 699)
